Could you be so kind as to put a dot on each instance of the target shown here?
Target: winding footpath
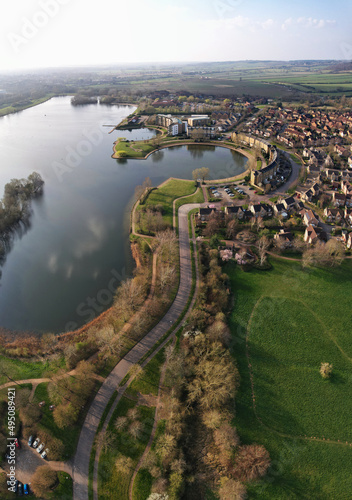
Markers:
(111, 383)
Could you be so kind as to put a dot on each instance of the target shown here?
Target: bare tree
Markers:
(139, 190)
(232, 229)
(263, 246)
(107, 441)
(232, 490)
(197, 134)
(135, 429)
(213, 226)
(252, 462)
(330, 254)
(109, 342)
(43, 481)
(166, 274)
(123, 464)
(121, 423)
(201, 173)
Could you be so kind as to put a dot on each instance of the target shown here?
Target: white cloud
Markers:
(307, 22)
(268, 24)
(236, 22)
(53, 263)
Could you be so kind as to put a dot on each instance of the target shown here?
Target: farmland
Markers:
(286, 322)
(271, 79)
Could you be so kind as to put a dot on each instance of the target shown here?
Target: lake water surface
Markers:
(58, 272)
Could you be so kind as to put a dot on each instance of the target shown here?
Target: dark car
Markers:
(30, 440)
(20, 489)
(16, 485)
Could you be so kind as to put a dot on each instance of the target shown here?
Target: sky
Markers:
(57, 33)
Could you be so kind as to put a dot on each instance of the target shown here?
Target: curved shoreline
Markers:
(173, 144)
(62, 336)
(193, 143)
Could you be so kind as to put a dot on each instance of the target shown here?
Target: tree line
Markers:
(15, 206)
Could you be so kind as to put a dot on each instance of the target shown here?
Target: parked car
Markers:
(30, 440)
(20, 489)
(36, 442)
(45, 453)
(17, 443)
(42, 403)
(40, 448)
(26, 489)
(16, 485)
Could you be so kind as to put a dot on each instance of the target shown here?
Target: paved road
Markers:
(88, 432)
(292, 181)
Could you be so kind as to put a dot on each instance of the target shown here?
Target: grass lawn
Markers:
(69, 436)
(18, 369)
(64, 490)
(142, 485)
(148, 381)
(295, 320)
(133, 149)
(113, 484)
(167, 193)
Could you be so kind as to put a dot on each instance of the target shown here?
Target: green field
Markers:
(17, 369)
(295, 320)
(167, 193)
(112, 483)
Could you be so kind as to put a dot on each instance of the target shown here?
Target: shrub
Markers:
(326, 370)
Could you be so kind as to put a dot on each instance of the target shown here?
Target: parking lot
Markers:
(27, 462)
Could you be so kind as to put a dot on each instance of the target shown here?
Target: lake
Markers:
(60, 271)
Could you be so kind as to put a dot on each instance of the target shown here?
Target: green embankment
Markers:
(166, 194)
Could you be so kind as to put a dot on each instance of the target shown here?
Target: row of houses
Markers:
(306, 126)
(265, 210)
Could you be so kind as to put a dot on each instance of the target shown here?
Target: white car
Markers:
(36, 442)
(40, 448)
(45, 452)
